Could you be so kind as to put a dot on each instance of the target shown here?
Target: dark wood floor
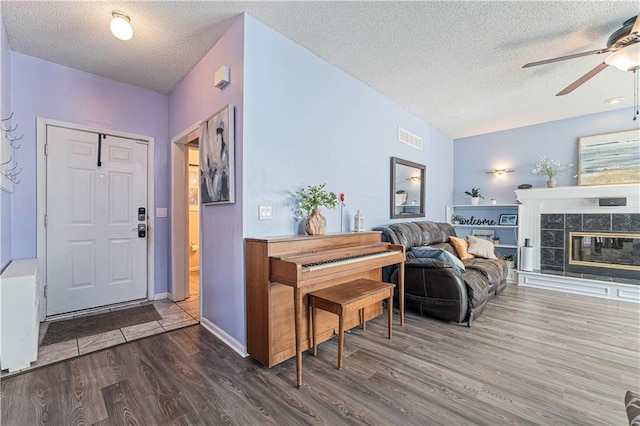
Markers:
(533, 357)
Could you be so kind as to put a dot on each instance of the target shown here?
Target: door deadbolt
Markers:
(142, 230)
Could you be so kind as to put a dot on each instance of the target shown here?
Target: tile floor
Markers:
(174, 315)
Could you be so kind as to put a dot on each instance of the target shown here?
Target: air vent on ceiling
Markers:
(409, 138)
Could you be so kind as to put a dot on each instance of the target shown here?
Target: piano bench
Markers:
(341, 299)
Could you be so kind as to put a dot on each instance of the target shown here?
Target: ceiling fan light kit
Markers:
(625, 59)
(120, 25)
(624, 48)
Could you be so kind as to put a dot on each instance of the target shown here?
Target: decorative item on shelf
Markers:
(493, 201)
(310, 199)
(475, 196)
(524, 186)
(508, 219)
(358, 222)
(508, 259)
(551, 168)
(342, 199)
(457, 219)
(496, 240)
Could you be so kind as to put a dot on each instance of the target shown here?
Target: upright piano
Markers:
(281, 271)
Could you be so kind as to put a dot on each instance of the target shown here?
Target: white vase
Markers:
(475, 201)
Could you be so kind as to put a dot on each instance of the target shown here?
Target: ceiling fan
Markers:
(624, 45)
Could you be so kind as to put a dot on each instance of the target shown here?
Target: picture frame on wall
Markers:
(609, 158)
(217, 146)
(485, 234)
(508, 220)
(193, 194)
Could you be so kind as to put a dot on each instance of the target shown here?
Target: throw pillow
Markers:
(461, 245)
(440, 254)
(481, 248)
(632, 404)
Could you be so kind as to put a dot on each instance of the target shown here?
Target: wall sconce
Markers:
(500, 172)
(120, 25)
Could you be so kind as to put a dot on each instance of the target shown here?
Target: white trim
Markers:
(179, 287)
(159, 296)
(586, 287)
(41, 200)
(222, 335)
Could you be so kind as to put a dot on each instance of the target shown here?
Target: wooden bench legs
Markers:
(344, 298)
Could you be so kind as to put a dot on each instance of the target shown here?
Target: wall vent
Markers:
(409, 138)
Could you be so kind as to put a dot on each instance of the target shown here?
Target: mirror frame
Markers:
(398, 161)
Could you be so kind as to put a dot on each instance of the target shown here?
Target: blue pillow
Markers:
(440, 254)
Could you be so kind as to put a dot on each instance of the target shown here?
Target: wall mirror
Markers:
(407, 189)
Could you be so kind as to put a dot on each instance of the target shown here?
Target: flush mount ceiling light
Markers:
(614, 101)
(120, 25)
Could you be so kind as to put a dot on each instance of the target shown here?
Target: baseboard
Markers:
(159, 296)
(586, 287)
(226, 338)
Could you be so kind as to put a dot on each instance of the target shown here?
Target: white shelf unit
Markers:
(508, 233)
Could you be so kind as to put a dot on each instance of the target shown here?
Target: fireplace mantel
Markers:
(567, 199)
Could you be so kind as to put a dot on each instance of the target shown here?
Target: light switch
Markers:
(264, 213)
(161, 212)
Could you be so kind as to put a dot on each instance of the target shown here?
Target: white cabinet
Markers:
(19, 314)
(489, 221)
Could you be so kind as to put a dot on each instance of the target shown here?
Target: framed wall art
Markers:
(217, 172)
(609, 158)
(508, 219)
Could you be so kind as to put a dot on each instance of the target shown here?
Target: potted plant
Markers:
(551, 168)
(310, 199)
(508, 259)
(475, 196)
(456, 219)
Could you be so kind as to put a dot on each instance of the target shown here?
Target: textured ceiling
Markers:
(456, 65)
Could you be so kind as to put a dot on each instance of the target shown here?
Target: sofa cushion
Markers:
(491, 269)
(461, 245)
(441, 254)
(480, 247)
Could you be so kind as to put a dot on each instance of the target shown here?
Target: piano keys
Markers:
(281, 271)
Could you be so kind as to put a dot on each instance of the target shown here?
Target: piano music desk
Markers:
(343, 298)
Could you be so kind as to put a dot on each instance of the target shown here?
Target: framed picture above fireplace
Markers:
(609, 158)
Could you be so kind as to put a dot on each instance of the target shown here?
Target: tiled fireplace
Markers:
(580, 246)
(596, 246)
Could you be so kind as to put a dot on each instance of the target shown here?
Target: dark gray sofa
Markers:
(433, 287)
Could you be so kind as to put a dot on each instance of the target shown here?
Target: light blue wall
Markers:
(48, 90)
(222, 246)
(521, 149)
(5, 111)
(307, 122)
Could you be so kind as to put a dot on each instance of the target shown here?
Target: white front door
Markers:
(95, 187)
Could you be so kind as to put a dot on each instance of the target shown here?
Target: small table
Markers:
(342, 298)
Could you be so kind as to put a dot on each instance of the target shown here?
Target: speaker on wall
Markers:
(612, 202)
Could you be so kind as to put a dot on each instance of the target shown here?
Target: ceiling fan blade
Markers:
(636, 26)
(564, 58)
(579, 82)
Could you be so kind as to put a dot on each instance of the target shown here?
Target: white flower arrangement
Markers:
(551, 168)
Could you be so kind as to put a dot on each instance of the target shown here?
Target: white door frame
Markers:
(41, 201)
(179, 288)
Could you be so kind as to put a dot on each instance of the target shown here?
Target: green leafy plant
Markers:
(508, 258)
(314, 197)
(474, 193)
(457, 218)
